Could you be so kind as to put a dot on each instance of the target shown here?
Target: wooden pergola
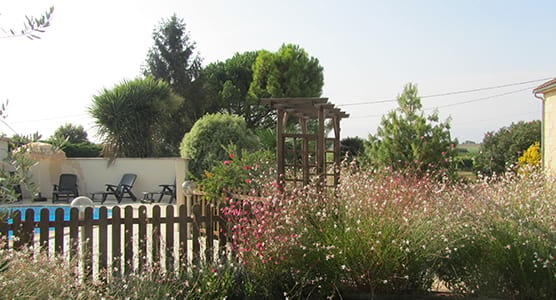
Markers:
(304, 157)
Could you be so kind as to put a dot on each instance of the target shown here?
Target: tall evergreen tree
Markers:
(406, 138)
(173, 59)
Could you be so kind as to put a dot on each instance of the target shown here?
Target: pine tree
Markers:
(408, 139)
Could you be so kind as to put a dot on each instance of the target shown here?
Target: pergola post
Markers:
(321, 149)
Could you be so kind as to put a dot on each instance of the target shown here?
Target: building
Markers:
(547, 93)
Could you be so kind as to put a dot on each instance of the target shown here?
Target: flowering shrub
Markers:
(391, 232)
(243, 174)
(505, 228)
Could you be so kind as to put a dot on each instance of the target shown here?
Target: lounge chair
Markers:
(66, 189)
(166, 189)
(119, 191)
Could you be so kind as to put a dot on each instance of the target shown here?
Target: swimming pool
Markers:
(51, 212)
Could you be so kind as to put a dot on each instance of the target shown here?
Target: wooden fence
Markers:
(129, 240)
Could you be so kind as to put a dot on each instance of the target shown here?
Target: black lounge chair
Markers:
(66, 189)
(119, 191)
(166, 189)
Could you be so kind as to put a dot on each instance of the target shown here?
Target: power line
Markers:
(460, 103)
(482, 99)
(449, 93)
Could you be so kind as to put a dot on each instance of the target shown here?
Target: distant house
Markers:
(547, 93)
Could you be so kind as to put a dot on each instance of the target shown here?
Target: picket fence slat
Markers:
(128, 244)
(94, 241)
(44, 232)
(103, 239)
(142, 251)
(116, 240)
(169, 253)
(156, 234)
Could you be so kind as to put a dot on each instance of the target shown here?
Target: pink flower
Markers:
(248, 181)
(227, 162)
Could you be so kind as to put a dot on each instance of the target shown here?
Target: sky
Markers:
(369, 50)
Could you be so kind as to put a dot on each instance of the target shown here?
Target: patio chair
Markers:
(66, 189)
(119, 191)
(166, 189)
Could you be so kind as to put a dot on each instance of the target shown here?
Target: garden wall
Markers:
(94, 173)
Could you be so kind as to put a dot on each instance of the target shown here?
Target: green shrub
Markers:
(205, 144)
(85, 149)
(500, 150)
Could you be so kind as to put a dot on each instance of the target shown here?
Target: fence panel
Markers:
(101, 238)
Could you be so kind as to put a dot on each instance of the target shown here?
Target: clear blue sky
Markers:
(369, 50)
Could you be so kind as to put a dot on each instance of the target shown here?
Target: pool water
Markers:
(51, 214)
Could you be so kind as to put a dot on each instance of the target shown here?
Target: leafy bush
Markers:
(500, 150)
(205, 144)
(85, 149)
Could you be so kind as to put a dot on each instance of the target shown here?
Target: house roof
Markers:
(545, 87)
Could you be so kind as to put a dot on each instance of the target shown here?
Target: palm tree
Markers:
(133, 118)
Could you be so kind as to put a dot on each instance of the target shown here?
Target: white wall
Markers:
(94, 173)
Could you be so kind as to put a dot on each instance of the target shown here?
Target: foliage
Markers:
(70, 133)
(204, 282)
(15, 169)
(174, 60)
(352, 146)
(15, 175)
(28, 276)
(406, 138)
(504, 228)
(18, 140)
(134, 117)
(82, 149)
(228, 84)
(205, 144)
(392, 232)
(31, 27)
(289, 72)
(240, 173)
(500, 150)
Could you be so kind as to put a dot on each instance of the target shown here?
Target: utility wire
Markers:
(459, 103)
(448, 93)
